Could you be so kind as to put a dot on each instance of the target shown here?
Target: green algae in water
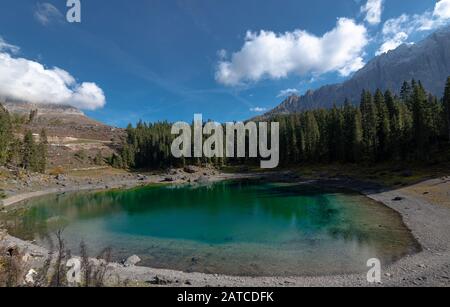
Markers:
(234, 228)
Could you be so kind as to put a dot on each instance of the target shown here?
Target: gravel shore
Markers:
(428, 221)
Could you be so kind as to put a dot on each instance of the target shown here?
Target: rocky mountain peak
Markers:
(24, 108)
(427, 61)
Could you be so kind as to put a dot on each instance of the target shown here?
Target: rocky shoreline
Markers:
(428, 222)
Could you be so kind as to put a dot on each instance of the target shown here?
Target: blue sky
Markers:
(166, 60)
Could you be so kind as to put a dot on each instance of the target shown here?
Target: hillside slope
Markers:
(74, 139)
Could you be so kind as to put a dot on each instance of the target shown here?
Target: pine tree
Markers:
(336, 134)
(446, 101)
(32, 116)
(301, 143)
(116, 161)
(435, 118)
(421, 119)
(41, 162)
(128, 156)
(405, 93)
(29, 157)
(390, 104)
(98, 159)
(312, 136)
(404, 139)
(383, 126)
(5, 134)
(352, 133)
(321, 116)
(357, 136)
(369, 124)
(291, 140)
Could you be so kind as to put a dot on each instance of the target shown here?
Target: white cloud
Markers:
(30, 81)
(396, 25)
(88, 96)
(258, 109)
(46, 13)
(288, 92)
(270, 55)
(442, 9)
(4, 46)
(353, 65)
(373, 10)
(392, 43)
(396, 31)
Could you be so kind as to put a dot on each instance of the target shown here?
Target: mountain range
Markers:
(427, 61)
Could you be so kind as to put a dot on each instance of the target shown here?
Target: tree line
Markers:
(385, 127)
(25, 152)
(412, 126)
(148, 146)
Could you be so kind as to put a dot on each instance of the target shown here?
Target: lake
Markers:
(235, 228)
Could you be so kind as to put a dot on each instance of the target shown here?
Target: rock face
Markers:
(61, 121)
(132, 261)
(24, 108)
(427, 61)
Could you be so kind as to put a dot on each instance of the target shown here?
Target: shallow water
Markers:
(234, 228)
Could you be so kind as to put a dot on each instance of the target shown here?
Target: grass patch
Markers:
(59, 170)
(84, 141)
(97, 172)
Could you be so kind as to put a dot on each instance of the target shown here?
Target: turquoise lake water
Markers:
(234, 228)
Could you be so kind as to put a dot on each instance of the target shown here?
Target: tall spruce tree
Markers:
(321, 116)
(390, 104)
(369, 124)
(41, 152)
(352, 133)
(435, 118)
(336, 135)
(383, 126)
(291, 138)
(312, 136)
(405, 137)
(5, 134)
(405, 93)
(357, 136)
(421, 120)
(29, 157)
(446, 102)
